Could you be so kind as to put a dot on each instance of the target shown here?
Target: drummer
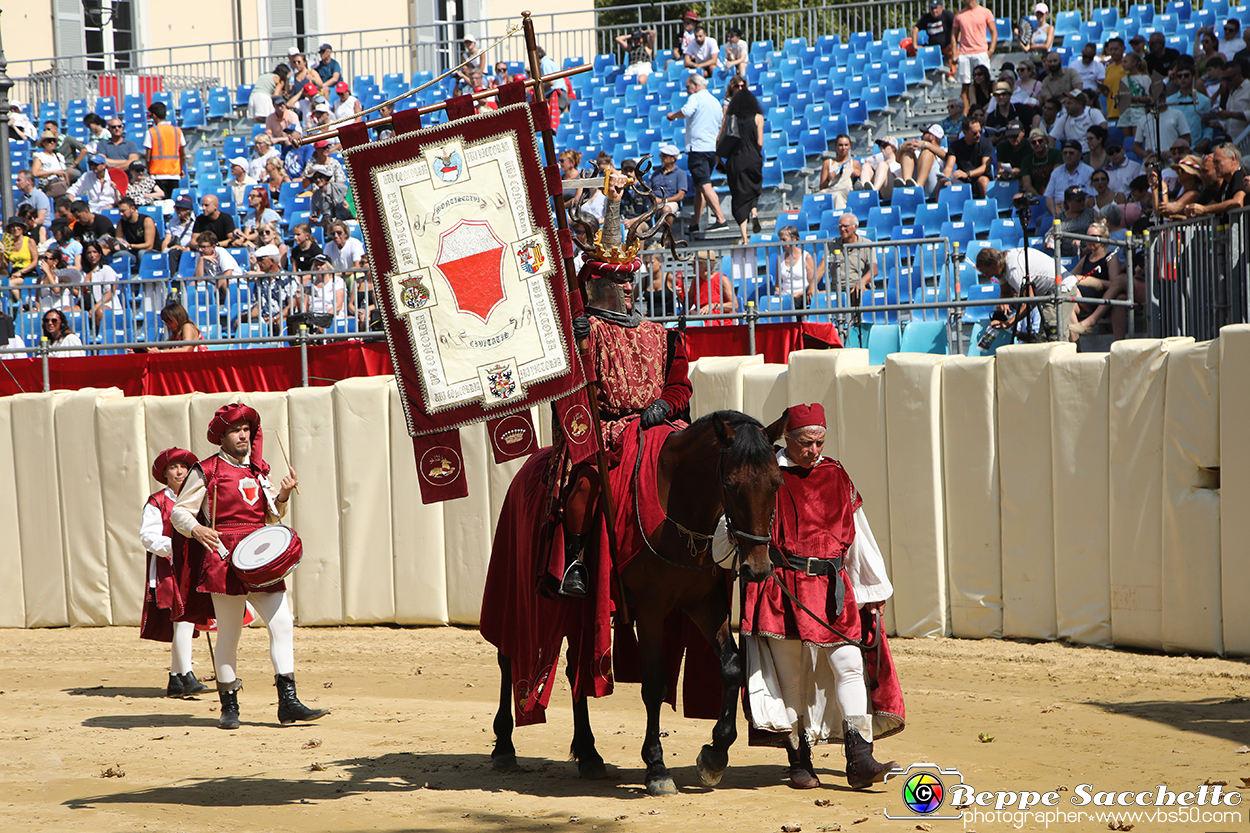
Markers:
(225, 497)
(169, 469)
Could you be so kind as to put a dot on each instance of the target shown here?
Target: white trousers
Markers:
(180, 648)
(788, 688)
(275, 612)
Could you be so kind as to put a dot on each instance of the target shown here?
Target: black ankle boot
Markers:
(576, 582)
(190, 685)
(229, 695)
(290, 709)
(176, 686)
(801, 773)
(862, 771)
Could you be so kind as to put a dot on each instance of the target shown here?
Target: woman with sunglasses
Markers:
(1096, 138)
(1103, 195)
(1043, 36)
(980, 92)
(258, 212)
(59, 334)
(267, 234)
(735, 84)
(1026, 80)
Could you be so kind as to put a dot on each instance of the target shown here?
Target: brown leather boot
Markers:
(861, 770)
(801, 773)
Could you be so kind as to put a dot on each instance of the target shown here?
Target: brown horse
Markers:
(723, 463)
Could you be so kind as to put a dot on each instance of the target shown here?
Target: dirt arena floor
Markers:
(407, 746)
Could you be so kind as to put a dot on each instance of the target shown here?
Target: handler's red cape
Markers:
(528, 626)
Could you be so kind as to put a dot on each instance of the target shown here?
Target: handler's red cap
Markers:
(802, 416)
(226, 416)
(171, 455)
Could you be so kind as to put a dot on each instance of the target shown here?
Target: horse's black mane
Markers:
(749, 447)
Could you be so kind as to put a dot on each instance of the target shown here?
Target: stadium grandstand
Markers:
(893, 172)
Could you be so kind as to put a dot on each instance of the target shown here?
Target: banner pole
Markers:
(583, 344)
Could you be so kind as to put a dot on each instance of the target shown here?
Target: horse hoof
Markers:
(664, 786)
(592, 770)
(707, 776)
(504, 762)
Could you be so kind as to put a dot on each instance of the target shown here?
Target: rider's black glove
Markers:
(581, 327)
(654, 413)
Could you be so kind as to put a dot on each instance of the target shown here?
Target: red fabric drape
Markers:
(166, 374)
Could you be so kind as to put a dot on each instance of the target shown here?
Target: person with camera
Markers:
(1026, 272)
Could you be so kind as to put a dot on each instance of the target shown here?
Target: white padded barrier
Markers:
(861, 436)
(468, 529)
(970, 466)
(416, 533)
(39, 502)
(12, 595)
(1234, 486)
(913, 421)
(318, 583)
(1025, 488)
(1191, 501)
(717, 383)
(765, 392)
(126, 470)
(813, 378)
(1138, 381)
(1079, 405)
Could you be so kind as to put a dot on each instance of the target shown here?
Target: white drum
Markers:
(267, 556)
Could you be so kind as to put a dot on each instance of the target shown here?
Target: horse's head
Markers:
(749, 479)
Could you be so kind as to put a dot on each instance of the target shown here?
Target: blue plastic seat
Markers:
(883, 339)
(881, 221)
(980, 214)
(1007, 231)
(925, 337)
(860, 203)
(931, 216)
(981, 292)
(907, 200)
(1067, 23)
(953, 197)
(959, 232)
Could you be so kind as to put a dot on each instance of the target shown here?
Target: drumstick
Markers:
(284, 457)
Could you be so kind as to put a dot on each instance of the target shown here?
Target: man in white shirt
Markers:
(1075, 120)
(702, 53)
(1120, 169)
(1092, 72)
(704, 115)
(1072, 172)
(1231, 42)
(1160, 129)
(1007, 269)
(96, 186)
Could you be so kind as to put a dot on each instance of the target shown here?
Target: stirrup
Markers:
(573, 585)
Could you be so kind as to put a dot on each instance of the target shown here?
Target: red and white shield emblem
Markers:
(250, 490)
(470, 257)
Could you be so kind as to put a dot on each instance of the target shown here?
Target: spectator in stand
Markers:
(501, 76)
(34, 229)
(301, 103)
(881, 170)
(1101, 277)
(742, 152)
(48, 166)
(1159, 57)
(1027, 84)
(19, 254)
(305, 248)
(268, 88)
(1012, 152)
(180, 327)
(71, 248)
(639, 49)
(1092, 72)
(1103, 196)
(301, 73)
(1007, 269)
(1072, 173)
(841, 173)
(90, 227)
(711, 292)
(165, 148)
(347, 106)
(71, 150)
(57, 272)
(258, 214)
(33, 197)
(981, 91)
(345, 252)
(1120, 168)
(1189, 187)
(136, 233)
(329, 198)
(1096, 141)
(704, 116)
(1007, 73)
(326, 292)
(1002, 112)
(1161, 128)
(215, 262)
(96, 186)
(1074, 123)
(213, 219)
(851, 270)
(1206, 46)
(275, 176)
(1191, 103)
(702, 53)
(1232, 42)
(1211, 76)
(735, 52)
(796, 269)
(969, 158)
(240, 181)
(969, 32)
(570, 168)
(1059, 80)
(938, 26)
(921, 159)
(278, 122)
(1133, 94)
(1113, 62)
(143, 188)
(275, 293)
(1074, 218)
(118, 150)
(59, 334)
(263, 150)
(105, 291)
(1141, 193)
(1051, 108)
(321, 157)
(1225, 181)
(270, 234)
(178, 231)
(331, 73)
(689, 22)
(1232, 102)
(1043, 37)
(954, 121)
(97, 133)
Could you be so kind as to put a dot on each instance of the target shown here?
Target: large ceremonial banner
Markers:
(471, 280)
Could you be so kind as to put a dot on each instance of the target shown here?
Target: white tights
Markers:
(275, 612)
(794, 660)
(180, 649)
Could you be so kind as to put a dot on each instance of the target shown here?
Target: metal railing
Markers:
(1198, 270)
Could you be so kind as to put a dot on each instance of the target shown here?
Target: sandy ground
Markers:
(408, 742)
